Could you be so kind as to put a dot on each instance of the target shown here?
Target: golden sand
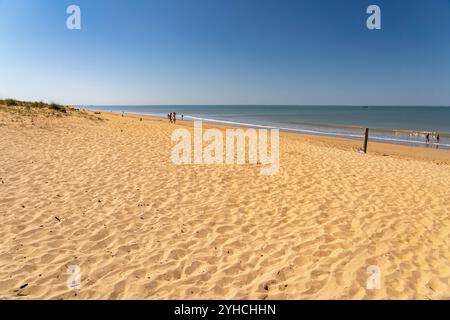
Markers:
(104, 195)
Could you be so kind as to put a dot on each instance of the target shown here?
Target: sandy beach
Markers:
(100, 191)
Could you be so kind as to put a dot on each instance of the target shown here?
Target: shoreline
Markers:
(439, 156)
(100, 191)
(354, 132)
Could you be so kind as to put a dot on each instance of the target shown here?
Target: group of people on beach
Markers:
(427, 137)
(173, 117)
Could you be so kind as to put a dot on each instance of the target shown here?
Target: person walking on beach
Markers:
(174, 117)
(437, 138)
(182, 117)
(428, 138)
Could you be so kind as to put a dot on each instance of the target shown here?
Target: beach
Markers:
(100, 191)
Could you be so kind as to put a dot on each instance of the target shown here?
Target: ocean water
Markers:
(391, 124)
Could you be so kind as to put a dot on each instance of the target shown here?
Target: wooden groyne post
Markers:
(366, 139)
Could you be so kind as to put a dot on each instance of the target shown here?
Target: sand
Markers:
(104, 195)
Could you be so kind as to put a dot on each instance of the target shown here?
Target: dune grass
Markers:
(35, 109)
(35, 104)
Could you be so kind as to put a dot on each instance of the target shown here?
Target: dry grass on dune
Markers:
(104, 195)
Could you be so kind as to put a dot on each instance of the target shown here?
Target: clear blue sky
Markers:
(226, 52)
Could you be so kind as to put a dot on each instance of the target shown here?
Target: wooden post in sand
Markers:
(366, 139)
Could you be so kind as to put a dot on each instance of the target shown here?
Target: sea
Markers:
(407, 125)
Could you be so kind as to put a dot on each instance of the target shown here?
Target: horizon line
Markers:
(260, 105)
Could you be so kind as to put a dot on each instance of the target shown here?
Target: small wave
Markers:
(307, 131)
(231, 122)
(323, 132)
(318, 132)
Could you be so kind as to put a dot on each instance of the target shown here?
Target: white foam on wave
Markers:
(231, 122)
(310, 131)
(318, 132)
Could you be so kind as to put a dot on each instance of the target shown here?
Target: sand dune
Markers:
(104, 195)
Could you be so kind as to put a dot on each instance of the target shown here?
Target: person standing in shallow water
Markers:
(428, 138)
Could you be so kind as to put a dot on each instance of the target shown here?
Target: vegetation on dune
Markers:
(36, 104)
(38, 109)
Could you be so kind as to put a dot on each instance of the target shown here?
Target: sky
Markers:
(311, 52)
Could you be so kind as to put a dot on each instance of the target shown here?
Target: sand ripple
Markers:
(105, 196)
